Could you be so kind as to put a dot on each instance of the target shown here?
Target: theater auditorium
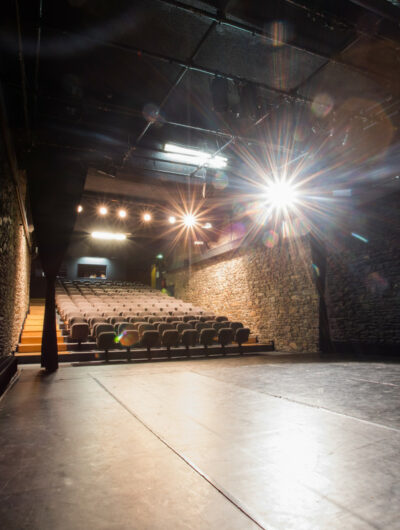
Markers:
(200, 264)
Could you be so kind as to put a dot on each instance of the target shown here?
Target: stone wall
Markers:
(270, 290)
(363, 277)
(14, 265)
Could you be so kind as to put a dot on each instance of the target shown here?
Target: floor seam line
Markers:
(307, 405)
(180, 455)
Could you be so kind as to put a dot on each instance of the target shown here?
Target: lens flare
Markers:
(280, 194)
(147, 217)
(172, 219)
(103, 210)
(189, 220)
(270, 238)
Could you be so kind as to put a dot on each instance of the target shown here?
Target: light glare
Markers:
(146, 217)
(80, 208)
(193, 156)
(172, 219)
(189, 220)
(109, 236)
(103, 210)
(122, 213)
(207, 226)
(280, 194)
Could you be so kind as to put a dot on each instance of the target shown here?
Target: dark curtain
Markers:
(56, 180)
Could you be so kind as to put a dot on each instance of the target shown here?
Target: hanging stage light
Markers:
(108, 236)
(147, 217)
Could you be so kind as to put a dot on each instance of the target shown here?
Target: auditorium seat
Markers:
(164, 326)
(241, 336)
(123, 326)
(170, 338)
(149, 339)
(182, 326)
(106, 341)
(101, 328)
(207, 336)
(79, 332)
(190, 337)
(221, 319)
(129, 339)
(219, 325)
(145, 327)
(199, 326)
(236, 325)
(225, 336)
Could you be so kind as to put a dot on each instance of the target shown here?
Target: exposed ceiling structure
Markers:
(310, 86)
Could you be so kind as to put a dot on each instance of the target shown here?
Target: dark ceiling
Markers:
(315, 80)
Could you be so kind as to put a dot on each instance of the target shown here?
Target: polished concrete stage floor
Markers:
(241, 443)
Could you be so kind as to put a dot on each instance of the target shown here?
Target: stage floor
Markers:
(235, 443)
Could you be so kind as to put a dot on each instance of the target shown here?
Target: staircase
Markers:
(31, 337)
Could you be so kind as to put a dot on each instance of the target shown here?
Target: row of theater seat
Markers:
(164, 333)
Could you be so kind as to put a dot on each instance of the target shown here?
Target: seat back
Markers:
(145, 327)
(105, 340)
(123, 326)
(187, 318)
(219, 325)
(225, 336)
(207, 336)
(101, 328)
(221, 319)
(129, 338)
(150, 338)
(183, 325)
(200, 326)
(236, 325)
(190, 337)
(242, 335)
(170, 337)
(80, 332)
(163, 326)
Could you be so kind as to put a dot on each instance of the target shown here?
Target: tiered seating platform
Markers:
(103, 320)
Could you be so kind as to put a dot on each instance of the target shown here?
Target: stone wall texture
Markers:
(270, 290)
(363, 277)
(14, 265)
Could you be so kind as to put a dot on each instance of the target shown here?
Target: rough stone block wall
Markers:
(270, 290)
(363, 278)
(14, 266)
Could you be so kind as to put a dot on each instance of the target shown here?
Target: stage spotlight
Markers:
(281, 195)
(79, 209)
(189, 220)
(147, 217)
(122, 213)
(172, 219)
(159, 256)
(207, 226)
(199, 242)
(109, 236)
(103, 210)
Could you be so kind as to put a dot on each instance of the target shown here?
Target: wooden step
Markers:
(29, 348)
(37, 340)
(38, 333)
